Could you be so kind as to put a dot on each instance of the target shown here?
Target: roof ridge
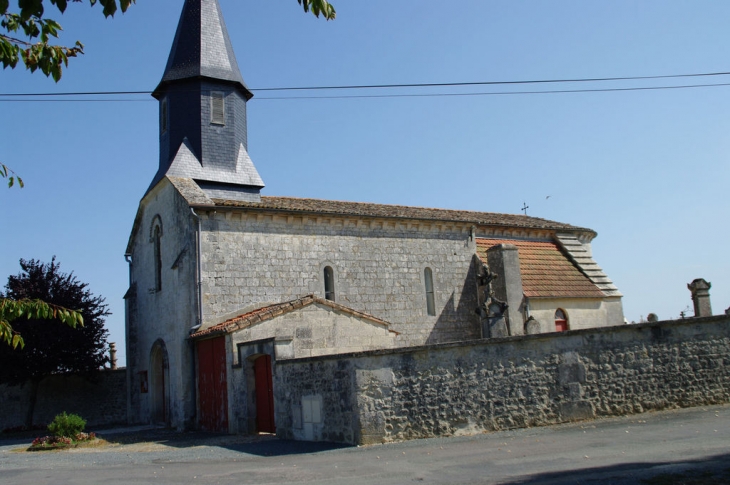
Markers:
(268, 312)
(371, 209)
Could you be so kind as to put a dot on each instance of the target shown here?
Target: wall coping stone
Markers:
(517, 338)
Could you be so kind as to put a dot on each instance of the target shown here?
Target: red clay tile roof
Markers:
(546, 271)
(364, 209)
(268, 312)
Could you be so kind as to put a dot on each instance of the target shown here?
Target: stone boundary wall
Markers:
(485, 385)
(100, 403)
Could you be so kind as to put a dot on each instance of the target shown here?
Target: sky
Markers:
(648, 170)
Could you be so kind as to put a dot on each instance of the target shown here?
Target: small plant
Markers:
(67, 425)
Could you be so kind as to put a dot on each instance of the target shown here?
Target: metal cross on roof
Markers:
(524, 207)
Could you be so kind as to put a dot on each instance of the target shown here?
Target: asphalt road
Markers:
(628, 450)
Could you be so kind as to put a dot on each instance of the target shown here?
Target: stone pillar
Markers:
(504, 260)
(113, 355)
(701, 297)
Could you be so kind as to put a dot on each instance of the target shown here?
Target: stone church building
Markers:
(225, 281)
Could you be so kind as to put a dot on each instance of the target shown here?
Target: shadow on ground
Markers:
(714, 470)
(260, 445)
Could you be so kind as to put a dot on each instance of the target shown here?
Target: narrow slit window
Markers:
(158, 259)
(561, 321)
(163, 116)
(329, 283)
(217, 108)
(428, 279)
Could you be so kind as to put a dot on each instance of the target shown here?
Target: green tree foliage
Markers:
(7, 173)
(31, 309)
(26, 34)
(51, 348)
(319, 7)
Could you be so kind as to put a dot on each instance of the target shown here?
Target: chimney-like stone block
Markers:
(701, 297)
(113, 355)
(504, 260)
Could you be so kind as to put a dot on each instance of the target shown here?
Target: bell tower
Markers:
(202, 100)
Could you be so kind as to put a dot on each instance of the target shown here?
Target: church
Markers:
(226, 281)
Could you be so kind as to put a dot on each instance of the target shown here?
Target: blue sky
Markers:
(647, 170)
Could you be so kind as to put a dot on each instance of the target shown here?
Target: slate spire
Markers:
(202, 48)
(203, 99)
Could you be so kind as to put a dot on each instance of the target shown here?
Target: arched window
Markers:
(155, 239)
(428, 280)
(158, 258)
(329, 283)
(561, 321)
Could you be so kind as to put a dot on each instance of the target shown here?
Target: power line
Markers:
(499, 93)
(75, 100)
(494, 83)
(424, 95)
(89, 93)
(399, 86)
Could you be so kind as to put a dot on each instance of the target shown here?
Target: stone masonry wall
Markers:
(468, 388)
(257, 258)
(165, 315)
(100, 403)
(319, 330)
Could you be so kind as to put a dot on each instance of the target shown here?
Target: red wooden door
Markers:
(212, 385)
(264, 395)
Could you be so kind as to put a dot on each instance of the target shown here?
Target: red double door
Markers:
(213, 385)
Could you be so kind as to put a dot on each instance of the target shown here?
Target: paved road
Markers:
(614, 451)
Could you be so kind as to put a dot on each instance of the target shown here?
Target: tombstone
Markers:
(532, 326)
(701, 297)
(496, 326)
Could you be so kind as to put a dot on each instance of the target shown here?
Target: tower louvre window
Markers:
(217, 108)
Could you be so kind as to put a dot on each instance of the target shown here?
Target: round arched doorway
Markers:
(159, 384)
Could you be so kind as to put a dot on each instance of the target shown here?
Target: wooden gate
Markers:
(264, 395)
(212, 385)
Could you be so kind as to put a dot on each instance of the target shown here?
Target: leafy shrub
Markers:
(67, 425)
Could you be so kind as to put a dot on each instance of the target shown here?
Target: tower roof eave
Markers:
(241, 87)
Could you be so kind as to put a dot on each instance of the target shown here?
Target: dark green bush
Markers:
(67, 425)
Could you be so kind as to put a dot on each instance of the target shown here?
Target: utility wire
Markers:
(495, 83)
(424, 95)
(393, 86)
(498, 93)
